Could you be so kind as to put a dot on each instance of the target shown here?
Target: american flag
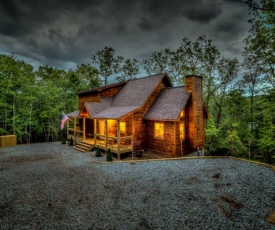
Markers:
(64, 119)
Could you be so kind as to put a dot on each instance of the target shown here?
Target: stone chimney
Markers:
(195, 132)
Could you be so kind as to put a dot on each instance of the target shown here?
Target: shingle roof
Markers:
(115, 112)
(131, 97)
(73, 114)
(101, 88)
(96, 107)
(135, 92)
(168, 104)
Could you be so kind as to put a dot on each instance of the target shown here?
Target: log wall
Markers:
(129, 124)
(87, 98)
(165, 147)
(139, 124)
(95, 96)
(111, 92)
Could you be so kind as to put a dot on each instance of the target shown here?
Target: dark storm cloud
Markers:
(68, 32)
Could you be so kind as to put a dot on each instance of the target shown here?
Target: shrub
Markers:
(71, 142)
(98, 152)
(109, 156)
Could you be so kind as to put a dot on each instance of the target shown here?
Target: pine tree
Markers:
(109, 156)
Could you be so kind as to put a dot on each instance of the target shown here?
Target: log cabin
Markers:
(142, 114)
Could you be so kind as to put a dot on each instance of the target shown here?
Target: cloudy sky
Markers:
(66, 33)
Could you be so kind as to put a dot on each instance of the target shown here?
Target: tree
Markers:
(213, 139)
(129, 69)
(254, 5)
(266, 139)
(107, 63)
(16, 78)
(261, 43)
(87, 76)
(227, 71)
(109, 155)
(156, 63)
(234, 143)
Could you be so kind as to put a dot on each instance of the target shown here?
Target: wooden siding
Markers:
(95, 96)
(87, 98)
(111, 92)
(129, 124)
(165, 147)
(139, 124)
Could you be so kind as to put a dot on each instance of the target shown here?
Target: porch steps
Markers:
(84, 147)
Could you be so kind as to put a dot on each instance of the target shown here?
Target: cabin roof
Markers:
(136, 92)
(101, 88)
(133, 96)
(94, 108)
(73, 114)
(115, 112)
(168, 104)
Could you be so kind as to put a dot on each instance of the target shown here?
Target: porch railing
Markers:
(124, 144)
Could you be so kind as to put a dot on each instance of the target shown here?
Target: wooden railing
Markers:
(117, 145)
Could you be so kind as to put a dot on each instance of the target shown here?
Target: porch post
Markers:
(106, 134)
(118, 139)
(95, 132)
(68, 125)
(74, 128)
(84, 128)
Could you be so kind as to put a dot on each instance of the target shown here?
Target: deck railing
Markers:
(117, 145)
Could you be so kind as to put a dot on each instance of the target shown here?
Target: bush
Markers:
(109, 156)
(71, 142)
(98, 152)
(63, 140)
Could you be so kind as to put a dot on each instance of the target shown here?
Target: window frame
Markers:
(155, 129)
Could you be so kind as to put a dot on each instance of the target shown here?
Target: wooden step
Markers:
(84, 147)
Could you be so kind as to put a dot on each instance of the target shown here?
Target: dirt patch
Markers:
(216, 176)
(27, 159)
(193, 180)
(229, 199)
(228, 211)
(216, 185)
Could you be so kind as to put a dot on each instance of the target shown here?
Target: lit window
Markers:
(159, 130)
(112, 128)
(182, 113)
(181, 131)
(122, 128)
(101, 127)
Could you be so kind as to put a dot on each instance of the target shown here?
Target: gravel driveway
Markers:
(53, 186)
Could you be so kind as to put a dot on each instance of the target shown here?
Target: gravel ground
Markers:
(53, 186)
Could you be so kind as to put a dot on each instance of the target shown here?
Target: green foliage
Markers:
(98, 152)
(213, 139)
(129, 69)
(106, 63)
(109, 155)
(233, 141)
(31, 102)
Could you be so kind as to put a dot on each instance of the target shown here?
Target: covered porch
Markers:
(115, 134)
